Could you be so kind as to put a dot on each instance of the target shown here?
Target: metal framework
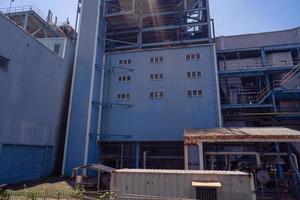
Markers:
(132, 24)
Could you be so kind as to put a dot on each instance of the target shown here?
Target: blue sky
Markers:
(231, 16)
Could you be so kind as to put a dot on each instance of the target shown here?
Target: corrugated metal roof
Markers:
(171, 171)
(257, 134)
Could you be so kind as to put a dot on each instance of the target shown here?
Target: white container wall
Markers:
(178, 183)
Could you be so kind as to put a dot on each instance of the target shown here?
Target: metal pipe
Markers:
(257, 155)
(145, 159)
(279, 165)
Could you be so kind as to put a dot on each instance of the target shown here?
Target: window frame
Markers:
(194, 93)
(157, 94)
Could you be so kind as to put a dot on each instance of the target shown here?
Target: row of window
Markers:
(124, 78)
(160, 94)
(125, 62)
(160, 59)
(160, 76)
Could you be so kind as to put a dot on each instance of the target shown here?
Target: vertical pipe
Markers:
(98, 181)
(137, 155)
(186, 157)
(145, 159)
(274, 102)
(292, 168)
(263, 57)
(201, 156)
(122, 152)
(77, 15)
(279, 165)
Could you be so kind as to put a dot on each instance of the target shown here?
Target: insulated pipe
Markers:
(285, 154)
(258, 161)
(145, 158)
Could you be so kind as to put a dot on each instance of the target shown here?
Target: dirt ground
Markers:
(52, 184)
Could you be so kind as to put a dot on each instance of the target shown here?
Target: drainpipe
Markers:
(279, 165)
(145, 158)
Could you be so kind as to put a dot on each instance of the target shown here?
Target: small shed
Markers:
(183, 184)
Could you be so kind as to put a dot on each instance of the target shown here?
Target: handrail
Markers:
(277, 83)
(23, 9)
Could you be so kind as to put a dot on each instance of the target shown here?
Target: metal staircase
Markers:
(265, 92)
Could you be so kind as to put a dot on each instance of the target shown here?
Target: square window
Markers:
(151, 60)
(193, 74)
(120, 78)
(199, 74)
(193, 56)
(161, 76)
(129, 61)
(194, 92)
(125, 62)
(124, 78)
(151, 95)
(120, 62)
(198, 56)
(56, 48)
(188, 56)
(118, 96)
(156, 76)
(161, 94)
(199, 92)
(123, 96)
(161, 59)
(156, 59)
(188, 74)
(156, 94)
(128, 78)
(151, 76)
(127, 95)
(189, 93)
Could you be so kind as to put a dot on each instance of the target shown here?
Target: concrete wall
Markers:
(33, 97)
(259, 39)
(51, 42)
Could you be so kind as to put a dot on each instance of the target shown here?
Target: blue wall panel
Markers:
(24, 162)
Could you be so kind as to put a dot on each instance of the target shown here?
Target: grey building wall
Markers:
(259, 39)
(33, 97)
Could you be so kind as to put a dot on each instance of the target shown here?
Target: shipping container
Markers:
(183, 184)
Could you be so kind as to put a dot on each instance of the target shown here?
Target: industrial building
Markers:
(147, 70)
(36, 62)
(144, 71)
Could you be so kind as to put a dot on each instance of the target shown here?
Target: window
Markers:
(156, 60)
(4, 63)
(194, 93)
(125, 62)
(124, 78)
(193, 56)
(195, 74)
(156, 94)
(123, 96)
(56, 48)
(156, 77)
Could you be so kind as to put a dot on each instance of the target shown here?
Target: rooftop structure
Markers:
(36, 23)
(136, 24)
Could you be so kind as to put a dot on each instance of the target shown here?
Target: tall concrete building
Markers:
(144, 71)
(36, 62)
